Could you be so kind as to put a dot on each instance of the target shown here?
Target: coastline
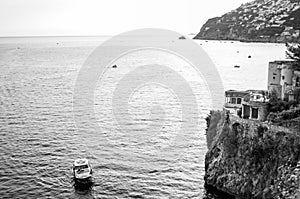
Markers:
(242, 41)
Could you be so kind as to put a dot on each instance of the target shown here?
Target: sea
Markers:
(140, 156)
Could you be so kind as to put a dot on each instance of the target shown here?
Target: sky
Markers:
(106, 17)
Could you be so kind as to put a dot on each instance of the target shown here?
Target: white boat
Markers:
(82, 171)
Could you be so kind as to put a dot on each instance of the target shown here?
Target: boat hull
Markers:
(83, 181)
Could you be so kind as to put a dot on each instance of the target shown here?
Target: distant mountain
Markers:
(259, 20)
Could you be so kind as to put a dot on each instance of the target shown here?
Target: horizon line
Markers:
(16, 36)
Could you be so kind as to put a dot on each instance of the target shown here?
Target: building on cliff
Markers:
(283, 79)
(254, 105)
(250, 104)
(255, 110)
(234, 99)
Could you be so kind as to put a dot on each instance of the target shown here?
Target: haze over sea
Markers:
(39, 139)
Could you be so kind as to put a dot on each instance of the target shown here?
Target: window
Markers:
(239, 101)
(81, 167)
(233, 100)
(298, 81)
(254, 113)
(283, 77)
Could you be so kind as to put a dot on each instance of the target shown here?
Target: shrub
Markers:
(284, 115)
(278, 106)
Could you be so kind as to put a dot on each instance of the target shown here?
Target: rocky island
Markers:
(257, 21)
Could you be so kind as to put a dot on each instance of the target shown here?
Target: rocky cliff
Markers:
(249, 159)
(259, 20)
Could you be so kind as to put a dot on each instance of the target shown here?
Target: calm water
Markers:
(40, 140)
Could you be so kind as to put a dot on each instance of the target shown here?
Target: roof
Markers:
(253, 92)
(79, 162)
(286, 61)
(233, 93)
(256, 104)
(297, 73)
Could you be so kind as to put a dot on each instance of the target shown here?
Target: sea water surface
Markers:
(40, 140)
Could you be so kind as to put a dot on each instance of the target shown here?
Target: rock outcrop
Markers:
(259, 20)
(250, 159)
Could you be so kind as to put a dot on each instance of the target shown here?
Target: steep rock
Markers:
(249, 159)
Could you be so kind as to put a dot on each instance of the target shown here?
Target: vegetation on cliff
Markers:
(288, 118)
(259, 20)
(293, 52)
(250, 159)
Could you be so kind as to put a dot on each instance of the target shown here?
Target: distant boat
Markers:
(249, 56)
(114, 66)
(181, 37)
(237, 66)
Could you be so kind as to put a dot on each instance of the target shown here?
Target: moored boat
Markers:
(82, 171)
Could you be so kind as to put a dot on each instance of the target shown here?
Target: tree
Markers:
(297, 95)
(273, 96)
(293, 52)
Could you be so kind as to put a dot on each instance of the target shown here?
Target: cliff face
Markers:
(259, 20)
(249, 159)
